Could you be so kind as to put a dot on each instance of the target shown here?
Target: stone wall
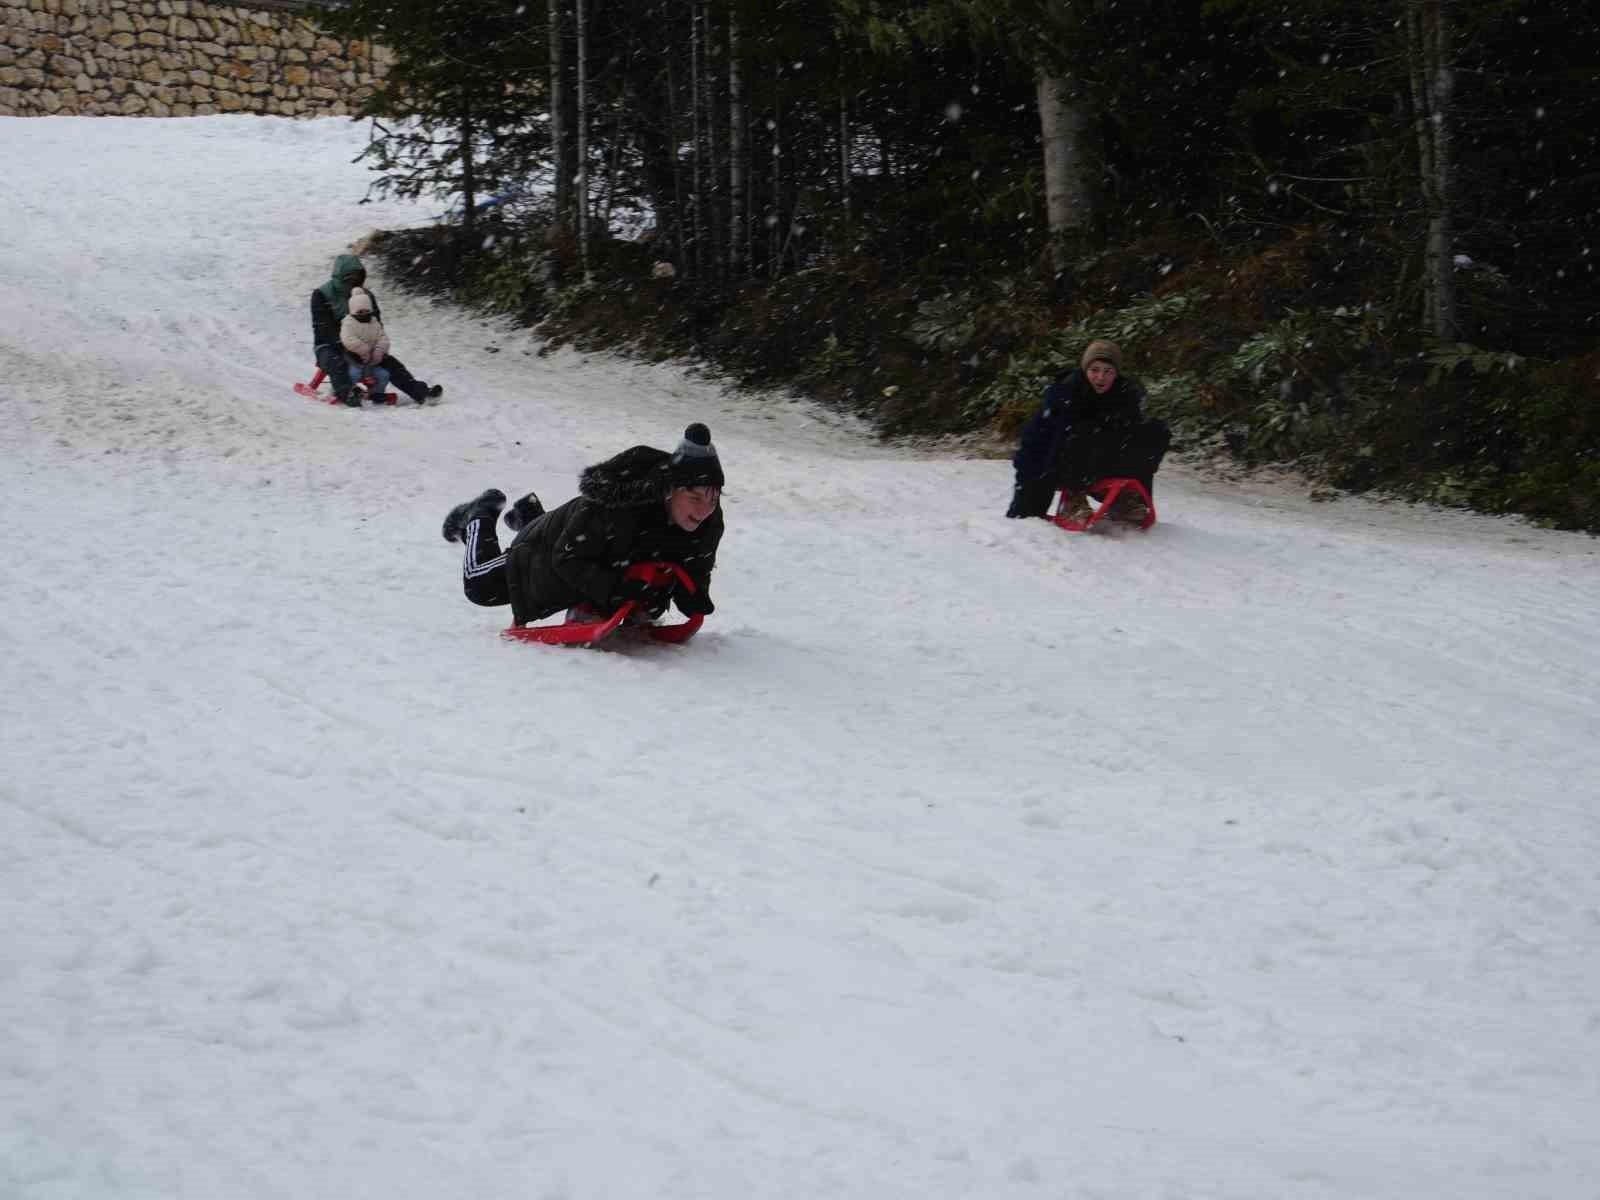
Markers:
(177, 58)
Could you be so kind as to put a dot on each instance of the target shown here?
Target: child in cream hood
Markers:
(365, 342)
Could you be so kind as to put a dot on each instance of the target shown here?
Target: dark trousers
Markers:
(333, 360)
(1133, 454)
(483, 566)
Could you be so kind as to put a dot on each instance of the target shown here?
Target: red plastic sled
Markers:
(587, 633)
(309, 390)
(1105, 491)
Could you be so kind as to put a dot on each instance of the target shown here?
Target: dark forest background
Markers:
(1354, 237)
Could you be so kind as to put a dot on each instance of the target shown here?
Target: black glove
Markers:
(653, 598)
(692, 604)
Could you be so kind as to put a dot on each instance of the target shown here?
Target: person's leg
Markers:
(483, 566)
(358, 372)
(380, 381)
(527, 509)
(1031, 497)
(472, 523)
(1141, 453)
(1087, 459)
(334, 361)
(406, 382)
(1137, 458)
(488, 502)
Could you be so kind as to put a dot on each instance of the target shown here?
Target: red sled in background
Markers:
(309, 390)
(588, 633)
(1105, 492)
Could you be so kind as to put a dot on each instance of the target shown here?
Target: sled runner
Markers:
(588, 633)
(1105, 491)
(309, 390)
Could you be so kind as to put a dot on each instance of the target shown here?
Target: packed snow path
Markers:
(1257, 856)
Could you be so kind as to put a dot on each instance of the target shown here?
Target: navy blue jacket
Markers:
(1072, 409)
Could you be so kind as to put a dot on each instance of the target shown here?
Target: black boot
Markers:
(486, 505)
(523, 511)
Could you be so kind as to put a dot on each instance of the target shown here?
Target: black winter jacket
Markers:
(1073, 410)
(577, 552)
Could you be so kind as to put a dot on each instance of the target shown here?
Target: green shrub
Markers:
(1016, 389)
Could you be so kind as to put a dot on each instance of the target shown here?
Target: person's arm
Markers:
(380, 349)
(351, 341)
(1136, 399)
(1040, 436)
(697, 602)
(324, 325)
(1124, 411)
(699, 568)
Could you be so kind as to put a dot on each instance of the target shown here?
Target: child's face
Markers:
(362, 317)
(1101, 375)
(688, 507)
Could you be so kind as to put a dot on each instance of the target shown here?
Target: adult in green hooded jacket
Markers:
(330, 304)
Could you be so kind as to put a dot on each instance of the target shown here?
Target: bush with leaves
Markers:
(1015, 392)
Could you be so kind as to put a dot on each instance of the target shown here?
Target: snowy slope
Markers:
(1256, 856)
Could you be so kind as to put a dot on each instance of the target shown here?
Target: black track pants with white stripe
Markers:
(483, 569)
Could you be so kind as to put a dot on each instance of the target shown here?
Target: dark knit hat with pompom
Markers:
(695, 462)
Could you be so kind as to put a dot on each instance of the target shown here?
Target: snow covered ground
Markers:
(1255, 856)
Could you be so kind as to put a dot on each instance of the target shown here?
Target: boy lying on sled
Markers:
(642, 505)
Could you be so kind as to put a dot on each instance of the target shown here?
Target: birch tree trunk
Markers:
(738, 221)
(1430, 54)
(1064, 129)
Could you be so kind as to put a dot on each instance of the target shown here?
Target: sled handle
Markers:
(660, 573)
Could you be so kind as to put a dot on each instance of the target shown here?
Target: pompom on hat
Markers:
(360, 302)
(1100, 350)
(695, 462)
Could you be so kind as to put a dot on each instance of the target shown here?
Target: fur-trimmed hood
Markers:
(641, 475)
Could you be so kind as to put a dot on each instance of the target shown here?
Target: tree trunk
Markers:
(738, 222)
(1430, 55)
(680, 248)
(582, 199)
(775, 212)
(469, 177)
(713, 174)
(1064, 129)
(697, 135)
(558, 132)
(844, 155)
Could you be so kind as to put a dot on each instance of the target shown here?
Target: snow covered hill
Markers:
(958, 857)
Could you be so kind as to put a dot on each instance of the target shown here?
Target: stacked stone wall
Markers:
(177, 58)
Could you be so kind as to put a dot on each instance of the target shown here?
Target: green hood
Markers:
(337, 289)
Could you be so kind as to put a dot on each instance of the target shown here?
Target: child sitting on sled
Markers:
(642, 505)
(1089, 427)
(330, 304)
(365, 343)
